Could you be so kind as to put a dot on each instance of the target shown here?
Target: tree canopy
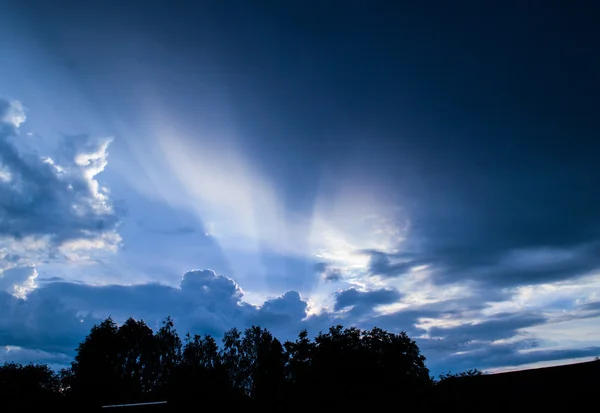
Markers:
(342, 368)
(131, 363)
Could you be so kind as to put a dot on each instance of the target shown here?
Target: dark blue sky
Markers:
(424, 167)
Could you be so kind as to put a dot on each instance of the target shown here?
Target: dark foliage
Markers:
(24, 388)
(132, 364)
(341, 368)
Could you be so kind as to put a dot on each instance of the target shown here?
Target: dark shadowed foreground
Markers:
(343, 368)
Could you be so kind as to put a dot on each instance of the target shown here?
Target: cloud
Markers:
(20, 355)
(283, 314)
(19, 280)
(417, 319)
(390, 265)
(504, 268)
(207, 287)
(497, 327)
(501, 227)
(593, 306)
(365, 301)
(328, 273)
(50, 207)
(12, 113)
(41, 323)
(527, 230)
(507, 355)
(61, 201)
(499, 340)
(290, 304)
(57, 315)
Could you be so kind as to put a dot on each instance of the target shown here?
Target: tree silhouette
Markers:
(135, 359)
(25, 388)
(167, 356)
(95, 370)
(298, 370)
(234, 361)
(453, 389)
(265, 361)
(342, 368)
(374, 363)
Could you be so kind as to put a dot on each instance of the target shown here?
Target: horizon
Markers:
(422, 168)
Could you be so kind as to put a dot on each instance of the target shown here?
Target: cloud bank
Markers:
(57, 315)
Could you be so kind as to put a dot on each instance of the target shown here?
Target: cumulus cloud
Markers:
(289, 304)
(208, 287)
(50, 207)
(57, 315)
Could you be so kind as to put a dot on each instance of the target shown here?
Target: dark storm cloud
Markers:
(364, 301)
(41, 323)
(390, 265)
(404, 320)
(485, 265)
(497, 327)
(534, 199)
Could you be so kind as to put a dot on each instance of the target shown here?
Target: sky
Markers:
(428, 167)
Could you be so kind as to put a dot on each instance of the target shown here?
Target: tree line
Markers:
(130, 363)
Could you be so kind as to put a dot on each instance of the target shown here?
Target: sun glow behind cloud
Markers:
(208, 174)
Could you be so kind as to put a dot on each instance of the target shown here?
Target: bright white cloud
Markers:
(18, 281)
